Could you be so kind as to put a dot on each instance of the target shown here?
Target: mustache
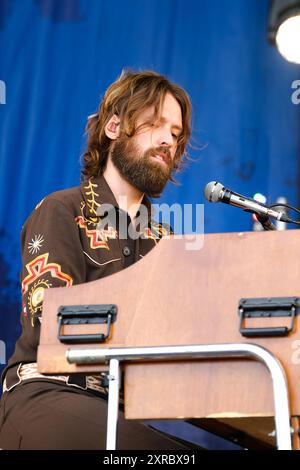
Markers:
(164, 150)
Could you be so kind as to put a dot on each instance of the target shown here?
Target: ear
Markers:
(112, 128)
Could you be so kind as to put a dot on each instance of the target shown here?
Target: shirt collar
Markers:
(96, 191)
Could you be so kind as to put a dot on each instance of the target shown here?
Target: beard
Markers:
(139, 169)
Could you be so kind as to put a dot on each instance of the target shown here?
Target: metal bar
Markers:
(279, 383)
(113, 404)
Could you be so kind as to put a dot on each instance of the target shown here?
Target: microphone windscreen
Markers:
(213, 191)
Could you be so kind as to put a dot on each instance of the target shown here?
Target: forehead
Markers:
(170, 112)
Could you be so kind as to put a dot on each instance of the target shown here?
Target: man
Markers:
(136, 141)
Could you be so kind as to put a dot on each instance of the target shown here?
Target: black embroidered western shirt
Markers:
(65, 242)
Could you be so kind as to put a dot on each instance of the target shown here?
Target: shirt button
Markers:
(126, 251)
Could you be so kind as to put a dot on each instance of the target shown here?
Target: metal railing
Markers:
(114, 356)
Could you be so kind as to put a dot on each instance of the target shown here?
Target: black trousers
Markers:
(44, 415)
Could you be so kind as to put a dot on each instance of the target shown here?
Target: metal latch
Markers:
(85, 315)
(264, 308)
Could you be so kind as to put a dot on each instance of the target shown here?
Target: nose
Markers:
(164, 137)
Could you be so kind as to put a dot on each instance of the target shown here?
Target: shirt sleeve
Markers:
(52, 255)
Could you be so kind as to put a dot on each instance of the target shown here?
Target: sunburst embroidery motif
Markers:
(35, 245)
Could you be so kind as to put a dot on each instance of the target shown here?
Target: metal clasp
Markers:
(264, 308)
(85, 315)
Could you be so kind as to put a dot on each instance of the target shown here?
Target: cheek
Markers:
(173, 151)
(144, 140)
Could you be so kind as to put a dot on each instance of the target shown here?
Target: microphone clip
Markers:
(265, 222)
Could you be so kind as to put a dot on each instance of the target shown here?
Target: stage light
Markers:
(284, 28)
(260, 198)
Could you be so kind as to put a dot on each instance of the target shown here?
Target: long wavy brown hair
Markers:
(130, 95)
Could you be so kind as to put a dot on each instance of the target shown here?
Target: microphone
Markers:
(216, 192)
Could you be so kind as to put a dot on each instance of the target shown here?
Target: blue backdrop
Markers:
(58, 57)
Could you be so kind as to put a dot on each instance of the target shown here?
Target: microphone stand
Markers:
(265, 222)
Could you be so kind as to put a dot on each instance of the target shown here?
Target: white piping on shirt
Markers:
(101, 264)
(7, 389)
